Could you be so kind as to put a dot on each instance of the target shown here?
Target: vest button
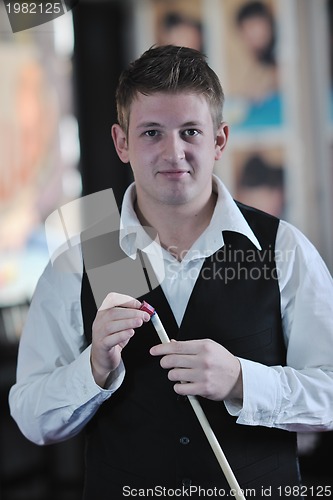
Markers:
(181, 399)
(184, 440)
(186, 481)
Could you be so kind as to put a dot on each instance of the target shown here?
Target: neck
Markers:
(178, 227)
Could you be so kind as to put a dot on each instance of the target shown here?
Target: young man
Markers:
(246, 298)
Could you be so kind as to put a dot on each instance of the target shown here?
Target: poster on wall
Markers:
(38, 150)
(260, 179)
(178, 23)
(252, 77)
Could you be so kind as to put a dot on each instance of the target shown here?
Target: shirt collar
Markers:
(133, 235)
(226, 217)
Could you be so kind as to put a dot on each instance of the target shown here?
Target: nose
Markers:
(173, 150)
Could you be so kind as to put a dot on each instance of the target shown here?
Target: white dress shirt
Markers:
(55, 394)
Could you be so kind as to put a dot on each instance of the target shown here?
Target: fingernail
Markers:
(146, 317)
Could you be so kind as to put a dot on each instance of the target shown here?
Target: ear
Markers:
(221, 139)
(120, 142)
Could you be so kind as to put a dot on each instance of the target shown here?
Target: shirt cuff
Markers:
(261, 395)
(82, 382)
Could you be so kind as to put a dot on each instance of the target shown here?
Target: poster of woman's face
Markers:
(259, 179)
(178, 23)
(252, 67)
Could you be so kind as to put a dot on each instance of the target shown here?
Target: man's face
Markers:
(172, 148)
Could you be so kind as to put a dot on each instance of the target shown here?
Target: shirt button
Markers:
(184, 440)
(186, 481)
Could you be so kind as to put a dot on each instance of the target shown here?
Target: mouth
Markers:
(174, 174)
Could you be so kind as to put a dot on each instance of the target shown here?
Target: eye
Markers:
(151, 133)
(191, 132)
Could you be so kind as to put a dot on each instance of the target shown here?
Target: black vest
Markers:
(146, 436)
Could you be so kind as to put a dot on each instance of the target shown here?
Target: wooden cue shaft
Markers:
(215, 445)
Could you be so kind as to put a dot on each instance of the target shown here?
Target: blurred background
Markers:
(57, 85)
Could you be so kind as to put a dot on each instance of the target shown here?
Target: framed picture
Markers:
(251, 68)
(39, 148)
(178, 23)
(259, 179)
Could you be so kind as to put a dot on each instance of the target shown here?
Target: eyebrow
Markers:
(156, 124)
(148, 125)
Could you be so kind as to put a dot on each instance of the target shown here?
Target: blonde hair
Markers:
(171, 69)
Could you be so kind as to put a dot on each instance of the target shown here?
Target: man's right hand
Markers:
(113, 327)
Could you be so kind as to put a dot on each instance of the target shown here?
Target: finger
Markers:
(189, 389)
(176, 347)
(182, 375)
(113, 327)
(114, 299)
(122, 313)
(120, 338)
(104, 327)
(178, 361)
